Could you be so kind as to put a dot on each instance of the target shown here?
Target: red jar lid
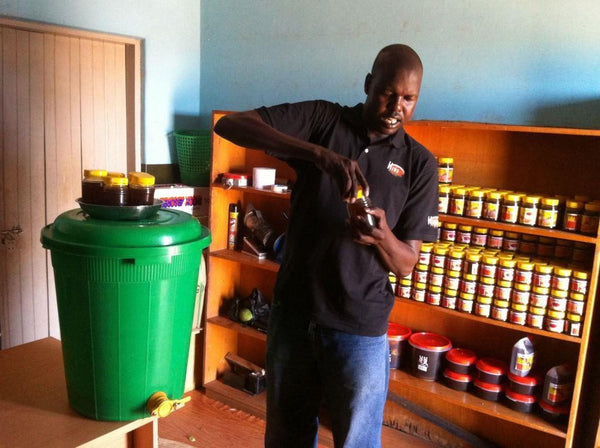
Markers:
(562, 409)
(461, 377)
(398, 331)
(529, 380)
(519, 397)
(461, 356)
(488, 386)
(492, 366)
(430, 341)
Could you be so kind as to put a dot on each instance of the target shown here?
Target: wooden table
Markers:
(35, 411)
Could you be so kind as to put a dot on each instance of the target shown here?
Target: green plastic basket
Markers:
(193, 154)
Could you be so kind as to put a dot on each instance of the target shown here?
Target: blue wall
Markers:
(534, 62)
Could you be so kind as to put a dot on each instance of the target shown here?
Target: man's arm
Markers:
(247, 129)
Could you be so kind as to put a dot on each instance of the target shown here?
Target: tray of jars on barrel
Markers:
(118, 197)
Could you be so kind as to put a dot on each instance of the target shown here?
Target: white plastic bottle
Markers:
(523, 354)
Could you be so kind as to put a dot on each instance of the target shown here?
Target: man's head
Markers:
(392, 90)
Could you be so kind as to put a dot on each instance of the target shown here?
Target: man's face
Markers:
(391, 99)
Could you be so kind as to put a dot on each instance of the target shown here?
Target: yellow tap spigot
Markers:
(160, 405)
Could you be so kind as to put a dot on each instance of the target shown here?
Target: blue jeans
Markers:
(307, 365)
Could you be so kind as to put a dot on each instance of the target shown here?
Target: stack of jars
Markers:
(117, 189)
(578, 214)
(499, 284)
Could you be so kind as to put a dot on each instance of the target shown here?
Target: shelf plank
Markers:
(537, 231)
(486, 320)
(469, 125)
(285, 195)
(231, 325)
(242, 258)
(253, 404)
(400, 381)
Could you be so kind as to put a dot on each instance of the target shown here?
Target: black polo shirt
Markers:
(325, 276)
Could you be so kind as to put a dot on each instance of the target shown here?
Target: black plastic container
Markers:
(525, 385)
(491, 370)
(519, 402)
(428, 350)
(488, 391)
(398, 339)
(461, 360)
(457, 381)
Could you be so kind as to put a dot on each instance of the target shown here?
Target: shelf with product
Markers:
(549, 160)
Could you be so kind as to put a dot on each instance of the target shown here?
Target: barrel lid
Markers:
(492, 366)
(462, 377)
(521, 398)
(488, 386)
(430, 341)
(461, 356)
(529, 380)
(399, 331)
(75, 230)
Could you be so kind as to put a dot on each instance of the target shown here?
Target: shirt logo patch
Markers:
(395, 169)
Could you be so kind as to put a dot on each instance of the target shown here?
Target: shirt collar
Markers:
(353, 116)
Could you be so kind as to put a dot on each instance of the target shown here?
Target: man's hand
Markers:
(345, 172)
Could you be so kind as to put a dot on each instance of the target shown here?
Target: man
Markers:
(327, 338)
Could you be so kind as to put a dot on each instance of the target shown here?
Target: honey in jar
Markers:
(141, 188)
(92, 186)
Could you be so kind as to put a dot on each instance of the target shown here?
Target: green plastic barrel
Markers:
(125, 292)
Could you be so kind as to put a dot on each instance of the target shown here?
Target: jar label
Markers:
(572, 222)
(547, 218)
(457, 206)
(445, 175)
(443, 203)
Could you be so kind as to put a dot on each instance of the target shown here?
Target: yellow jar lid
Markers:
(113, 181)
(504, 283)
(477, 193)
(578, 296)
(513, 197)
(507, 262)
(522, 287)
(450, 292)
(555, 314)
(541, 290)
(525, 265)
(518, 307)
(574, 204)
(487, 280)
(451, 273)
(473, 256)
(531, 199)
(537, 310)
(573, 317)
(434, 288)
(559, 294)
(512, 235)
(561, 272)
(449, 225)
(484, 300)
(445, 160)
(143, 179)
(544, 268)
(426, 247)
(459, 190)
(551, 201)
(481, 230)
(493, 195)
(443, 188)
(592, 207)
(581, 275)
(115, 174)
(457, 253)
(465, 228)
(440, 250)
(94, 173)
(466, 295)
(470, 277)
(420, 285)
(437, 270)
(501, 303)
(421, 267)
(490, 259)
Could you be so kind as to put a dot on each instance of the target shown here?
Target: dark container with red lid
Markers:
(461, 360)
(488, 391)
(519, 402)
(457, 381)
(428, 350)
(491, 370)
(525, 385)
(554, 414)
(398, 339)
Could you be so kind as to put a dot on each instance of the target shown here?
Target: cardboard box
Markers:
(192, 200)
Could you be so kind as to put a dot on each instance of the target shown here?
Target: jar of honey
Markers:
(590, 218)
(443, 198)
(509, 210)
(548, 213)
(572, 217)
(474, 204)
(445, 170)
(491, 205)
(115, 191)
(529, 210)
(92, 186)
(141, 188)
(457, 201)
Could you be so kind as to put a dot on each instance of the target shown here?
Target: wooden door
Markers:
(69, 101)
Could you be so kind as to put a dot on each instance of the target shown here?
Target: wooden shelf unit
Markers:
(531, 159)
